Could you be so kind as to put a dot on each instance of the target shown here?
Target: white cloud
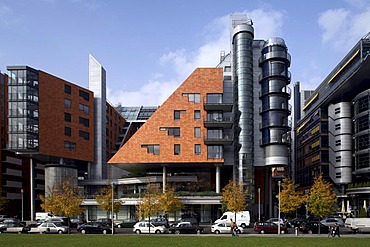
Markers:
(216, 38)
(342, 28)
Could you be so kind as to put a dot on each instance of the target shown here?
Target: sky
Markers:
(149, 47)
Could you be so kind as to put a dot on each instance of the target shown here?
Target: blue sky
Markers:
(149, 47)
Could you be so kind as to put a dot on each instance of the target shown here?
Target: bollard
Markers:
(296, 231)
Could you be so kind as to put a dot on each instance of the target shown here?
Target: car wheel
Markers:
(262, 231)
(60, 232)
(199, 232)
(137, 231)
(217, 232)
(177, 232)
(158, 232)
(104, 231)
(83, 231)
(238, 231)
(309, 231)
(119, 226)
(244, 225)
(282, 232)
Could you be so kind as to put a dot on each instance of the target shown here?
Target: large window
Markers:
(84, 95)
(197, 132)
(85, 135)
(177, 114)
(192, 97)
(152, 148)
(214, 98)
(84, 121)
(214, 152)
(84, 108)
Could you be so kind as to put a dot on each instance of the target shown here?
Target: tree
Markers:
(169, 202)
(149, 205)
(234, 197)
(104, 200)
(63, 200)
(321, 198)
(290, 199)
(2, 201)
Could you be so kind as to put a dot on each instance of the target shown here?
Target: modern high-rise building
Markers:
(229, 122)
(332, 136)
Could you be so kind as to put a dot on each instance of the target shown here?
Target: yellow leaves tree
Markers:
(234, 197)
(63, 200)
(104, 200)
(169, 202)
(321, 199)
(149, 204)
(290, 199)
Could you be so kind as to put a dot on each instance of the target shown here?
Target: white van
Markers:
(42, 216)
(242, 218)
(358, 224)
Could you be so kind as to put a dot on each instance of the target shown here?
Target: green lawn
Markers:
(174, 241)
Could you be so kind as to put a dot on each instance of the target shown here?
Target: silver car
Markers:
(49, 227)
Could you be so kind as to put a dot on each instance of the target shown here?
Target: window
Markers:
(67, 117)
(84, 108)
(192, 97)
(214, 152)
(85, 135)
(176, 149)
(152, 148)
(197, 150)
(196, 114)
(84, 121)
(69, 145)
(338, 159)
(174, 132)
(337, 110)
(197, 132)
(214, 98)
(67, 103)
(84, 95)
(67, 131)
(337, 127)
(177, 114)
(67, 89)
(338, 143)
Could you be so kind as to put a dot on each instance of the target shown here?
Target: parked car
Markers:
(332, 222)
(58, 219)
(224, 227)
(313, 227)
(127, 223)
(186, 227)
(12, 225)
(296, 222)
(105, 221)
(159, 221)
(94, 229)
(276, 221)
(145, 227)
(2, 217)
(192, 220)
(269, 227)
(49, 227)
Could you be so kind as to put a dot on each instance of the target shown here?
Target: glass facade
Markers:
(23, 109)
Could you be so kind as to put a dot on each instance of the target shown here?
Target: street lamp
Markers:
(22, 202)
(259, 204)
(279, 209)
(112, 208)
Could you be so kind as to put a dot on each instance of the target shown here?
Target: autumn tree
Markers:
(2, 201)
(63, 200)
(321, 199)
(149, 205)
(169, 202)
(104, 200)
(234, 197)
(290, 199)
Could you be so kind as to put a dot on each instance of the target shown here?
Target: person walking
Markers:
(330, 234)
(232, 227)
(336, 230)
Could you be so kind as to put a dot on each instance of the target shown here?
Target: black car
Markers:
(94, 228)
(127, 223)
(296, 222)
(186, 227)
(313, 227)
(159, 222)
(191, 220)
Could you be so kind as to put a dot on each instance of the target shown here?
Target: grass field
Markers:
(174, 241)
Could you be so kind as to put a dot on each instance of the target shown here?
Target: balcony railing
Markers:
(217, 106)
(221, 140)
(218, 122)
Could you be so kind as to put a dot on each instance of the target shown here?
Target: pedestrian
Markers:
(232, 227)
(330, 234)
(336, 230)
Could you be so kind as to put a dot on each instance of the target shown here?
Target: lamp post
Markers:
(112, 208)
(22, 203)
(259, 204)
(279, 209)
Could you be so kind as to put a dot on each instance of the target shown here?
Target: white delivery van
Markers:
(242, 218)
(358, 224)
(42, 216)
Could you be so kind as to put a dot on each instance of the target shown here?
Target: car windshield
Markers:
(58, 224)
